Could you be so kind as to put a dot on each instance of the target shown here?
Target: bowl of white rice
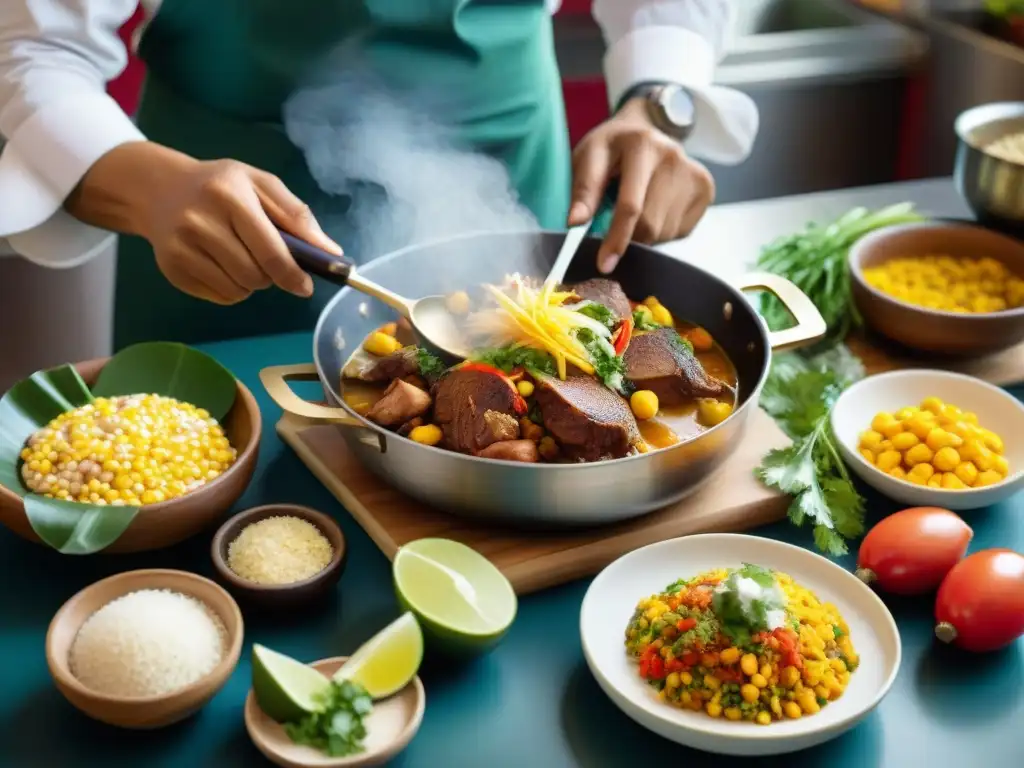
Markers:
(144, 649)
(989, 170)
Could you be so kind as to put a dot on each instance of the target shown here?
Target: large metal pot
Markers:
(544, 494)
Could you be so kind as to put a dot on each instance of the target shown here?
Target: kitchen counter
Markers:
(531, 703)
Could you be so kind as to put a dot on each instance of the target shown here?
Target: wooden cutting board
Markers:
(732, 500)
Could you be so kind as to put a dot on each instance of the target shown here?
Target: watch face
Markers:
(678, 106)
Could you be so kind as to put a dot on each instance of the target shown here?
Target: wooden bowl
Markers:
(389, 728)
(279, 595)
(932, 330)
(149, 711)
(162, 525)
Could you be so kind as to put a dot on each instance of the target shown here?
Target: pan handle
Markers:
(810, 325)
(275, 380)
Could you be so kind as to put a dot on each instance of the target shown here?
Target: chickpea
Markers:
(428, 434)
(524, 387)
(457, 303)
(662, 316)
(712, 412)
(644, 404)
(792, 710)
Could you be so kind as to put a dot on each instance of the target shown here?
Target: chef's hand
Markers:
(211, 223)
(662, 192)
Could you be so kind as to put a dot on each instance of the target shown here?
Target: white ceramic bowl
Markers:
(613, 595)
(997, 410)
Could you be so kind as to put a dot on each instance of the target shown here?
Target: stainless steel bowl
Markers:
(991, 186)
(544, 494)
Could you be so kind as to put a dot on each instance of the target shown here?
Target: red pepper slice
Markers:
(518, 403)
(657, 669)
(674, 665)
(684, 625)
(691, 659)
(623, 336)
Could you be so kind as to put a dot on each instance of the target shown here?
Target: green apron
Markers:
(219, 73)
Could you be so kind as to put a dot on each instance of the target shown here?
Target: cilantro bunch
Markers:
(337, 728)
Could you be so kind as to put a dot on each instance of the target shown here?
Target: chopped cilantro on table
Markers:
(799, 395)
(337, 728)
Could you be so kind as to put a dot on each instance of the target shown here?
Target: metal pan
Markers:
(545, 494)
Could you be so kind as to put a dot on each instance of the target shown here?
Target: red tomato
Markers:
(909, 552)
(980, 605)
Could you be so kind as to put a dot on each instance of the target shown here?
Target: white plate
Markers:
(612, 598)
(997, 410)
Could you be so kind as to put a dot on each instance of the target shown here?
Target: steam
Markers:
(409, 179)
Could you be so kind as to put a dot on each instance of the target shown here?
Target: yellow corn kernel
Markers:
(932, 404)
(885, 445)
(992, 441)
(907, 413)
(821, 691)
(427, 434)
(1001, 465)
(759, 680)
(748, 664)
(524, 387)
(946, 459)
(807, 702)
(949, 414)
(888, 460)
(661, 315)
(789, 676)
(935, 481)
(921, 424)
(686, 678)
(381, 345)
(939, 438)
(776, 706)
(919, 454)
(734, 713)
(792, 710)
(988, 477)
(838, 665)
(870, 439)
(713, 708)
(967, 472)
(984, 459)
(763, 718)
(644, 404)
(750, 693)
(898, 472)
(712, 682)
(905, 441)
(882, 421)
(766, 670)
(920, 474)
(711, 412)
(951, 482)
(672, 680)
(729, 655)
(969, 417)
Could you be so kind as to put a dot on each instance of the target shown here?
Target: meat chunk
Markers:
(366, 367)
(475, 409)
(662, 362)
(606, 292)
(588, 419)
(401, 402)
(512, 450)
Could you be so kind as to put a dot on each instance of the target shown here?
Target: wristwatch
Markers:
(669, 106)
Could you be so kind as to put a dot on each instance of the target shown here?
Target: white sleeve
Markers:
(680, 41)
(56, 57)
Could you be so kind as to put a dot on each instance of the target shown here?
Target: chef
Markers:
(199, 180)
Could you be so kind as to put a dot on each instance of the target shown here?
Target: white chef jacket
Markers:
(56, 57)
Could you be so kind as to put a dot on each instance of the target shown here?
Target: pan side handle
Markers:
(810, 325)
(275, 380)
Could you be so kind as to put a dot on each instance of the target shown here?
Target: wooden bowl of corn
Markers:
(163, 524)
(945, 288)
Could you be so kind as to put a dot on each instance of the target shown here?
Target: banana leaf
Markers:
(161, 368)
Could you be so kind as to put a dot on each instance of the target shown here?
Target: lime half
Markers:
(462, 600)
(285, 689)
(387, 661)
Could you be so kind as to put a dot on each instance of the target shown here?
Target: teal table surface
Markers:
(532, 702)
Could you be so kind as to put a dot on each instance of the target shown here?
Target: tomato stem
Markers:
(866, 575)
(945, 631)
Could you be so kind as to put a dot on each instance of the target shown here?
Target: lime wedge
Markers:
(285, 689)
(386, 662)
(464, 603)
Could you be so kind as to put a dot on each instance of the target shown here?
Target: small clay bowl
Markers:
(932, 330)
(157, 526)
(279, 595)
(389, 728)
(149, 711)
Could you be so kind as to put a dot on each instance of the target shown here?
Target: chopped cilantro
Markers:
(741, 620)
(642, 321)
(608, 367)
(681, 343)
(599, 312)
(837, 632)
(511, 357)
(431, 366)
(337, 728)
